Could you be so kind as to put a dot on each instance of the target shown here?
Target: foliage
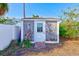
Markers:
(35, 16)
(62, 31)
(69, 29)
(3, 8)
(70, 14)
(26, 43)
(69, 25)
(7, 21)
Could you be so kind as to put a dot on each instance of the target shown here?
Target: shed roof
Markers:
(42, 19)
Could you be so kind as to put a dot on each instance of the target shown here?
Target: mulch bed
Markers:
(48, 47)
(15, 50)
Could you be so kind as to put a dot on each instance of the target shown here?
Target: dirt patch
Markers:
(69, 48)
(66, 47)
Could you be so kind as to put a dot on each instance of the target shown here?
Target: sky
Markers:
(41, 9)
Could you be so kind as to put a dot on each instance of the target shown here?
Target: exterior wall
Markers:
(7, 34)
(29, 30)
(18, 33)
(20, 29)
(51, 31)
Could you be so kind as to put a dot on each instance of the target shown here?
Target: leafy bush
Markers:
(62, 31)
(26, 43)
(69, 29)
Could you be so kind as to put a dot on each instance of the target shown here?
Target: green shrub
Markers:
(62, 31)
(69, 29)
(26, 43)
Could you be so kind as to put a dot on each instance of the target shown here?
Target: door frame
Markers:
(42, 34)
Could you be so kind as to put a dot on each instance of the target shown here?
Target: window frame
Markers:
(39, 27)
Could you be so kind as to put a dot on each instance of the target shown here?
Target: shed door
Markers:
(39, 31)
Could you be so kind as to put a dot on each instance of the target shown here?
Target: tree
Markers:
(70, 14)
(69, 23)
(3, 8)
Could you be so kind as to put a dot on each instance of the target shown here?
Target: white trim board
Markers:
(47, 42)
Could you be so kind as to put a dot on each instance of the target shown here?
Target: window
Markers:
(28, 26)
(39, 27)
